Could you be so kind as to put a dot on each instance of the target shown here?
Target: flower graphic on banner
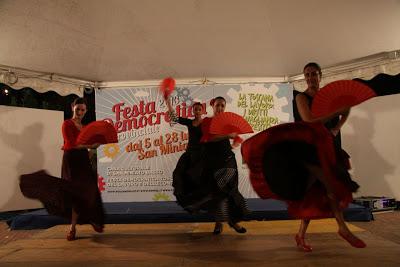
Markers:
(101, 183)
(161, 197)
(111, 150)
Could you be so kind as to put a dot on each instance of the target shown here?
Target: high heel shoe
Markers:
(353, 240)
(71, 235)
(301, 244)
(239, 229)
(218, 228)
(97, 228)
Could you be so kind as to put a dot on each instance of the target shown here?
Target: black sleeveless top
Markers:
(194, 133)
(329, 124)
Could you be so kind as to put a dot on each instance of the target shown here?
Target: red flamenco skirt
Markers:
(76, 189)
(279, 159)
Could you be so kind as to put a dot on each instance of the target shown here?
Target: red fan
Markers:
(340, 95)
(229, 122)
(167, 86)
(97, 132)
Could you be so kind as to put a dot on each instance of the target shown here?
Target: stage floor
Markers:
(267, 243)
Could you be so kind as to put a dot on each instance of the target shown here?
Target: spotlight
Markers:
(5, 91)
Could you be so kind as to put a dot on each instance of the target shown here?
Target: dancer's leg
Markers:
(301, 235)
(72, 230)
(344, 231)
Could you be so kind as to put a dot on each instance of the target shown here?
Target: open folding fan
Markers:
(229, 122)
(97, 132)
(167, 86)
(340, 95)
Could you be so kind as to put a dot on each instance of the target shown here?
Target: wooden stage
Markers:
(267, 243)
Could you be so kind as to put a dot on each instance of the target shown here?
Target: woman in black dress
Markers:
(187, 182)
(220, 169)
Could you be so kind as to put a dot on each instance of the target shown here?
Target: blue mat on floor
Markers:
(165, 212)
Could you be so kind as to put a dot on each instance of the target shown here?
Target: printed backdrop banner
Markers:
(139, 167)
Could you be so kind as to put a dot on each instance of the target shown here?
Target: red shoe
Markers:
(71, 235)
(97, 228)
(353, 240)
(301, 244)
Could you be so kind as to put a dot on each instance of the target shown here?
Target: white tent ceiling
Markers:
(120, 40)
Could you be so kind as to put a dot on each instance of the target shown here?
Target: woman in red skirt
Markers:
(296, 163)
(75, 196)
(302, 112)
(303, 164)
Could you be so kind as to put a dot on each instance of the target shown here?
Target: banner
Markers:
(140, 166)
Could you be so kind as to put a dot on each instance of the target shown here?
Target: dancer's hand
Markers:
(94, 146)
(335, 131)
(232, 135)
(343, 112)
(235, 144)
(237, 141)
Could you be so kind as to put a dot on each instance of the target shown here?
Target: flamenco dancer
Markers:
(187, 182)
(301, 164)
(75, 196)
(221, 169)
(302, 112)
